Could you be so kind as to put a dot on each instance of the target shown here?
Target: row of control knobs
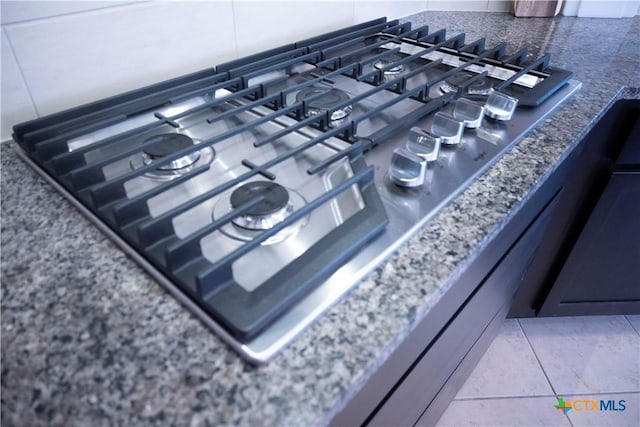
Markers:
(409, 164)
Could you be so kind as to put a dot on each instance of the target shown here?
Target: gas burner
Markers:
(278, 203)
(389, 59)
(165, 144)
(328, 99)
(273, 209)
(482, 86)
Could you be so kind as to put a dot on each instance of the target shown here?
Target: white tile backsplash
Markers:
(458, 5)
(17, 11)
(367, 10)
(500, 6)
(601, 8)
(15, 103)
(262, 25)
(74, 59)
(65, 53)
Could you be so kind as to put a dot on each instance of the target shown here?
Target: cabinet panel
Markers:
(602, 273)
(455, 382)
(439, 362)
(611, 146)
(629, 157)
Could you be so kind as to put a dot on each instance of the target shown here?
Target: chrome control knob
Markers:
(447, 128)
(424, 144)
(500, 106)
(468, 112)
(407, 169)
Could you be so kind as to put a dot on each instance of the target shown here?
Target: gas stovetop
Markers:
(259, 192)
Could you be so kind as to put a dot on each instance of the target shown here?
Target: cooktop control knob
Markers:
(468, 112)
(447, 128)
(424, 144)
(407, 169)
(500, 106)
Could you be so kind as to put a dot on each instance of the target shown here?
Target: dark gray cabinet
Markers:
(415, 399)
(602, 273)
(589, 262)
(516, 274)
(418, 380)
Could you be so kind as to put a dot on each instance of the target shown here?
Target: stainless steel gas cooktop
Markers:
(261, 191)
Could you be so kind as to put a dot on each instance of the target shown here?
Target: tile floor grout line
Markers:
(629, 322)
(537, 358)
(526, 337)
(607, 393)
(466, 399)
(566, 415)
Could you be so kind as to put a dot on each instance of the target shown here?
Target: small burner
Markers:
(389, 59)
(328, 99)
(482, 86)
(273, 209)
(166, 144)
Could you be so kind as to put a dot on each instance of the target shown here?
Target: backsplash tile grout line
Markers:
(22, 76)
(235, 28)
(79, 12)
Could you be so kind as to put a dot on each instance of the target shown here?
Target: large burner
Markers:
(273, 208)
(481, 86)
(167, 144)
(325, 99)
(163, 145)
(278, 203)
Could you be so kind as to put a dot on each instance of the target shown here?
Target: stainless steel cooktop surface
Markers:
(261, 191)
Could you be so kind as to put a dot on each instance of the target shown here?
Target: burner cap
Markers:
(276, 197)
(482, 86)
(166, 144)
(327, 99)
(389, 59)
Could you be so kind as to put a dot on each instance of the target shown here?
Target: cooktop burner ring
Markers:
(389, 59)
(480, 87)
(276, 197)
(329, 98)
(247, 227)
(166, 144)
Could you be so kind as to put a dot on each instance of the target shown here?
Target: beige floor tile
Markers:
(508, 368)
(635, 322)
(512, 412)
(590, 354)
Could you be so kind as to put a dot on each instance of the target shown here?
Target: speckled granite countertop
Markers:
(89, 339)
